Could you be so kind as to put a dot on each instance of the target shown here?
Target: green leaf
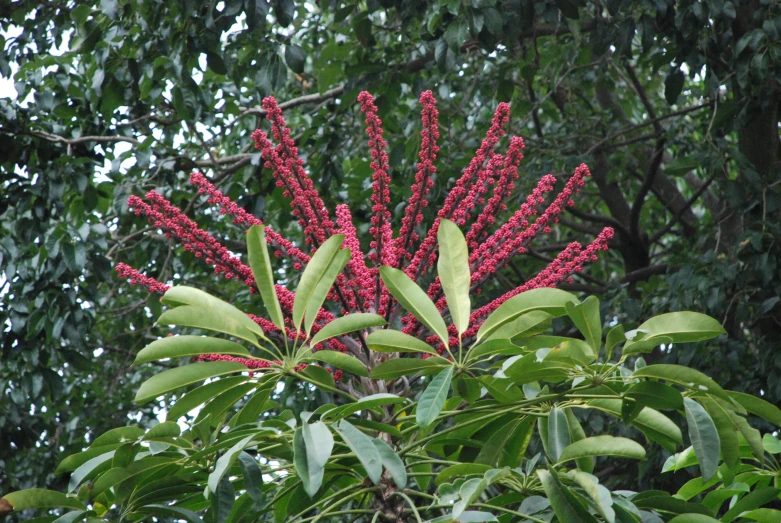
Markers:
(388, 340)
(728, 431)
(433, 398)
(763, 515)
(226, 461)
(462, 469)
(492, 450)
(558, 433)
(319, 444)
(366, 403)
(395, 368)
(346, 324)
(526, 325)
(603, 446)
(319, 375)
(314, 272)
(565, 505)
(453, 271)
(172, 510)
(681, 165)
(752, 501)
(260, 262)
(201, 395)
(166, 429)
(587, 319)
(118, 435)
(655, 395)
(693, 518)
(577, 433)
(645, 345)
(341, 361)
(295, 57)
(215, 62)
(323, 287)
(364, 449)
(253, 476)
(415, 301)
(392, 462)
(173, 379)
(551, 301)
(614, 337)
(681, 327)
(222, 500)
(683, 376)
(207, 319)
(41, 498)
(494, 346)
(87, 469)
(771, 444)
(185, 346)
(758, 407)
(704, 437)
(74, 461)
(673, 85)
(183, 295)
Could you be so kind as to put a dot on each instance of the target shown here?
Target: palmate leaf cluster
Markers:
(489, 431)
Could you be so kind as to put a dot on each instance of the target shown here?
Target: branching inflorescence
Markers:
(474, 202)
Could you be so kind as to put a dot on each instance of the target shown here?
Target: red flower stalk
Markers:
(454, 207)
(136, 278)
(413, 213)
(302, 185)
(361, 281)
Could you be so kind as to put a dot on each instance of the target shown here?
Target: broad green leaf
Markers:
(492, 450)
(526, 325)
(683, 376)
(310, 473)
(704, 437)
(366, 403)
(462, 469)
(323, 287)
(166, 429)
(652, 423)
(614, 337)
(752, 501)
(41, 498)
(453, 271)
(341, 361)
(319, 376)
(222, 500)
(388, 340)
(183, 295)
(494, 346)
(433, 398)
(318, 444)
(603, 446)
(184, 346)
(681, 327)
(576, 433)
(364, 449)
(758, 407)
(74, 461)
(558, 433)
(655, 395)
(750, 434)
(771, 444)
(207, 319)
(392, 463)
(260, 263)
(405, 366)
(551, 301)
(599, 495)
(763, 515)
(313, 273)
(217, 407)
(171, 510)
(201, 395)
(253, 476)
(415, 301)
(88, 468)
(728, 432)
(226, 461)
(665, 503)
(175, 378)
(72, 516)
(346, 324)
(565, 504)
(257, 404)
(645, 345)
(120, 434)
(587, 319)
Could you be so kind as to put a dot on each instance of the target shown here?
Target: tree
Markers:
(463, 413)
(181, 85)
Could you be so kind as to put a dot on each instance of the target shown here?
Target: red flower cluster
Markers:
(476, 199)
(136, 278)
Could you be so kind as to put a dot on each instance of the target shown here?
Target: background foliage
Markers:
(674, 105)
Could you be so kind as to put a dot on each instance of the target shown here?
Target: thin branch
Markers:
(294, 102)
(683, 209)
